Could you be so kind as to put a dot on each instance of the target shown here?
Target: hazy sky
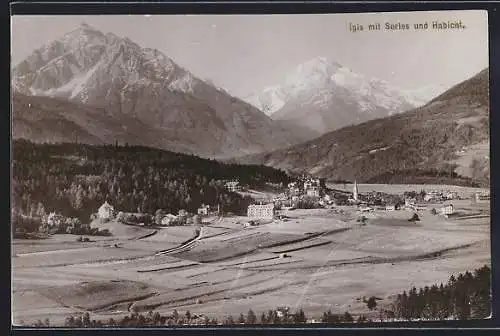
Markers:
(246, 53)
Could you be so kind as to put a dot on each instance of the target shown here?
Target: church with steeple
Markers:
(355, 191)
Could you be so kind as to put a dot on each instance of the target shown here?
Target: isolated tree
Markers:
(371, 303)
(348, 317)
(300, 317)
(229, 320)
(263, 318)
(86, 319)
(251, 317)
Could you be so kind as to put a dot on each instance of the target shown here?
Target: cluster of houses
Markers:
(370, 201)
(107, 212)
(439, 196)
(479, 197)
(54, 222)
(308, 186)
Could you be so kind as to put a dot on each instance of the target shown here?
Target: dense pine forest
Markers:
(466, 296)
(75, 179)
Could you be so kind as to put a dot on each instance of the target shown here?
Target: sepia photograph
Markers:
(227, 170)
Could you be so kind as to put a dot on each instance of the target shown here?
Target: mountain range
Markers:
(97, 88)
(133, 88)
(324, 95)
(448, 134)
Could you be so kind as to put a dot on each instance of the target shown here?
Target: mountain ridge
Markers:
(325, 95)
(427, 137)
(86, 66)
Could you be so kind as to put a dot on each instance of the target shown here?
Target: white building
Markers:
(451, 195)
(106, 211)
(313, 192)
(263, 211)
(390, 207)
(410, 202)
(429, 197)
(282, 311)
(311, 183)
(355, 191)
(54, 220)
(203, 210)
(233, 186)
(447, 210)
(483, 197)
(168, 219)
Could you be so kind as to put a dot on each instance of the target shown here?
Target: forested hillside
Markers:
(432, 137)
(75, 179)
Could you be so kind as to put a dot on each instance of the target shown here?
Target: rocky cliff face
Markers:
(115, 74)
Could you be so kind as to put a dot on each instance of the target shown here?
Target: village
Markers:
(304, 193)
(335, 243)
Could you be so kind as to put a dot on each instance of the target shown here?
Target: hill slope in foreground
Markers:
(433, 142)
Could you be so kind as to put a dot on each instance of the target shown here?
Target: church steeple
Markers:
(355, 191)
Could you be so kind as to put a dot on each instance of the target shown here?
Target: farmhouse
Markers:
(106, 211)
(451, 195)
(250, 224)
(390, 207)
(447, 210)
(431, 196)
(203, 210)
(410, 202)
(168, 219)
(54, 220)
(282, 311)
(264, 211)
(482, 197)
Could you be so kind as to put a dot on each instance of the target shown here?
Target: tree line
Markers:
(75, 179)
(466, 296)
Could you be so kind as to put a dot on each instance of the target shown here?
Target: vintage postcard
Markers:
(250, 169)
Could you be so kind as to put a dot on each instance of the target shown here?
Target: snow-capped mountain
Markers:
(448, 133)
(101, 70)
(324, 95)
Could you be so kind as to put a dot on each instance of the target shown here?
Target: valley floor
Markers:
(316, 260)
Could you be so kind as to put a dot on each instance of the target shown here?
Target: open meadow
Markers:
(317, 260)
